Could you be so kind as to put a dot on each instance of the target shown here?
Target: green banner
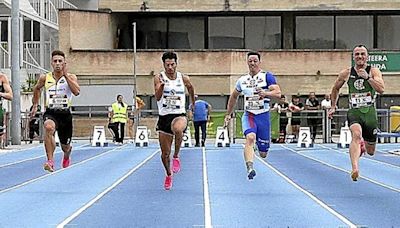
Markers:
(383, 60)
(217, 120)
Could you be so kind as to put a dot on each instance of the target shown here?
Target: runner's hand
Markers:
(226, 120)
(65, 72)
(33, 112)
(331, 111)
(260, 92)
(362, 73)
(162, 82)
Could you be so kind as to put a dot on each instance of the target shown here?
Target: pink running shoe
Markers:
(49, 166)
(362, 147)
(176, 165)
(168, 182)
(65, 162)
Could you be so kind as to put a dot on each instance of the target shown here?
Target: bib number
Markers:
(361, 99)
(253, 103)
(172, 102)
(58, 101)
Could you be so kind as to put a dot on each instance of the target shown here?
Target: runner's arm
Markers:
(340, 80)
(376, 81)
(72, 81)
(232, 102)
(190, 89)
(8, 94)
(158, 86)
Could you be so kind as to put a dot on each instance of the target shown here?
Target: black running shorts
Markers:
(164, 122)
(63, 121)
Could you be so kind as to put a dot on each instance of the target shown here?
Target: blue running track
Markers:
(123, 187)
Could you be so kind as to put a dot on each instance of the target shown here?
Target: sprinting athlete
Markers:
(363, 82)
(169, 87)
(59, 88)
(257, 87)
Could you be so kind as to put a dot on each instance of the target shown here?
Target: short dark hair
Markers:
(57, 52)
(119, 95)
(169, 55)
(360, 46)
(254, 53)
(282, 96)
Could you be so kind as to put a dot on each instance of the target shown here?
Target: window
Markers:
(263, 32)
(186, 33)
(151, 33)
(353, 30)
(314, 32)
(226, 32)
(388, 32)
(4, 30)
(31, 33)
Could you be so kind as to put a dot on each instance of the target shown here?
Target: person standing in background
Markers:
(132, 114)
(200, 116)
(119, 116)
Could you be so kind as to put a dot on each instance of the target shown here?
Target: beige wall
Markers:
(248, 5)
(214, 72)
(87, 39)
(86, 30)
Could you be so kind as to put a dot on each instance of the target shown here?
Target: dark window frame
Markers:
(206, 15)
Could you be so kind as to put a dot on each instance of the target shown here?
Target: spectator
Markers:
(200, 116)
(131, 121)
(326, 103)
(296, 107)
(313, 120)
(282, 108)
(34, 124)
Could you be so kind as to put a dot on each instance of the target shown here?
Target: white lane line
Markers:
(318, 201)
(364, 157)
(344, 170)
(30, 159)
(57, 171)
(94, 200)
(6, 151)
(207, 209)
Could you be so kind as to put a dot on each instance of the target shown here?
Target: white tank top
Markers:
(173, 99)
(58, 93)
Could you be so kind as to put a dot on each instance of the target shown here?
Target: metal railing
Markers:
(86, 117)
(48, 9)
(31, 54)
(5, 58)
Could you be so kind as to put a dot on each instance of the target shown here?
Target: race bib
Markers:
(361, 99)
(172, 102)
(254, 102)
(58, 102)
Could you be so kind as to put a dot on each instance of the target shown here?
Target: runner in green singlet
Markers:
(363, 82)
